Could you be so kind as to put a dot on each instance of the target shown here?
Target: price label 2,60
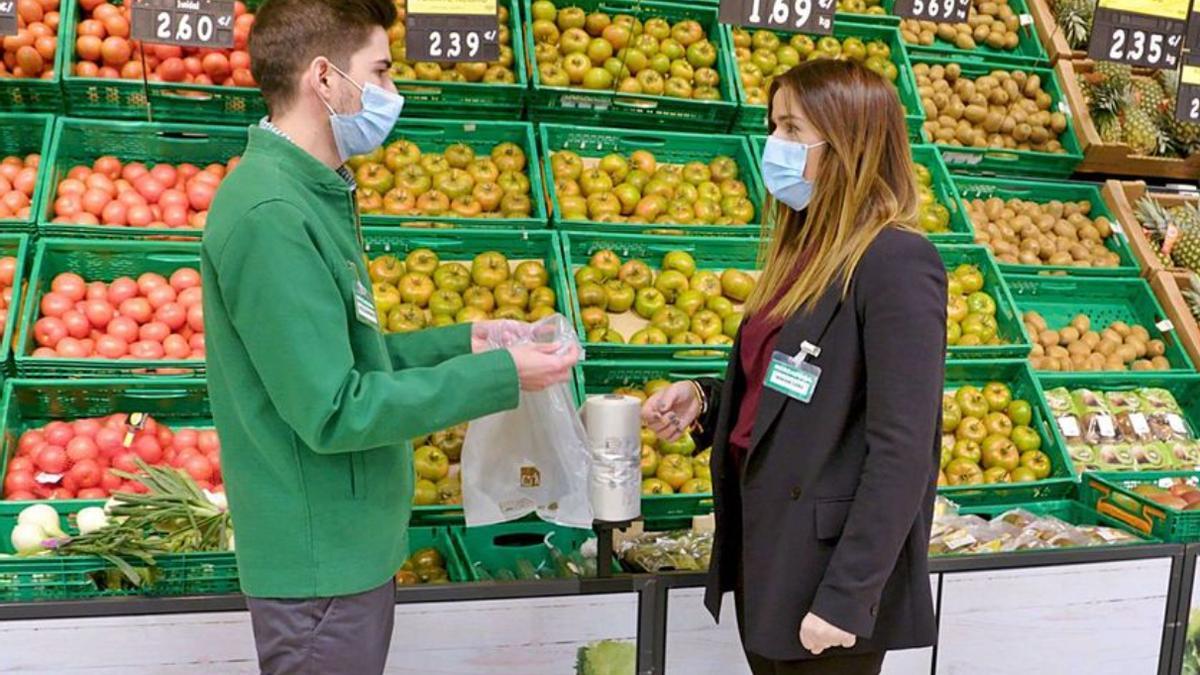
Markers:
(1187, 105)
(1139, 33)
(186, 23)
(452, 30)
(795, 16)
(8, 17)
(940, 11)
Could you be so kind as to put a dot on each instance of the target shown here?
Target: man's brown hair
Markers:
(289, 34)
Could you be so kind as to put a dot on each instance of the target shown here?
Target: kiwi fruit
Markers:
(1077, 347)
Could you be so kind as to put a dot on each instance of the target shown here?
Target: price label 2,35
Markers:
(186, 23)
(452, 30)
(1139, 32)
(8, 17)
(939, 11)
(1187, 104)
(795, 16)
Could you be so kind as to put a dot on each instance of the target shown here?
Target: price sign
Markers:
(939, 11)
(187, 23)
(1187, 104)
(1145, 33)
(452, 30)
(8, 17)
(796, 16)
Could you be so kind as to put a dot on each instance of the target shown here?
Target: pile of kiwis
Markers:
(989, 22)
(1078, 348)
(1006, 110)
(1062, 234)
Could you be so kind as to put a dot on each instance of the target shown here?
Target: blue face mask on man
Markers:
(368, 128)
(783, 164)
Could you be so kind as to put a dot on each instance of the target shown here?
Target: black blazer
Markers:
(832, 510)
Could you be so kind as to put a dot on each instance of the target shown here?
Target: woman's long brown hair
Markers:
(865, 183)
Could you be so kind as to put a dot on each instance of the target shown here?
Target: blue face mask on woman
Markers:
(783, 164)
(368, 128)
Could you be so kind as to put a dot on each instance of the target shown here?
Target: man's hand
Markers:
(817, 635)
(502, 332)
(538, 365)
(670, 412)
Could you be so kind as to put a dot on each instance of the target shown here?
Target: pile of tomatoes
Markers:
(18, 178)
(74, 460)
(30, 53)
(8, 277)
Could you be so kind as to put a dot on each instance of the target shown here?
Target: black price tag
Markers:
(1187, 104)
(186, 23)
(1144, 33)
(8, 17)
(814, 17)
(452, 30)
(938, 11)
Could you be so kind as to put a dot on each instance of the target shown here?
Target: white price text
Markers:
(184, 27)
(783, 12)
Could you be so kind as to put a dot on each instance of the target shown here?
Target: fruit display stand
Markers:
(1054, 41)
(519, 551)
(1029, 50)
(752, 117)
(608, 107)
(973, 188)
(82, 141)
(1175, 290)
(668, 148)
(23, 134)
(17, 246)
(1015, 341)
(1124, 196)
(434, 136)
(164, 101)
(99, 260)
(1120, 496)
(35, 94)
(1113, 158)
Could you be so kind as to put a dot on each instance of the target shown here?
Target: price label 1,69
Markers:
(452, 30)
(1187, 104)
(1139, 32)
(939, 11)
(186, 23)
(795, 16)
(8, 17)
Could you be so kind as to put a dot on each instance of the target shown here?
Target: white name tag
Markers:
(792, 378)
(364, 305)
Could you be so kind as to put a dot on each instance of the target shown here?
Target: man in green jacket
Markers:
(314, 404)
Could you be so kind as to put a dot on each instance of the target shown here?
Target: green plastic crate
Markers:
(1029, 51)
(79, 141)
(22, 134)
(1012, 328)
(1069, 510)
(752, 118)
(711, 253)
(435, 135)
(27, 95)
(442, 539)
(169, 101)
(996, 161)
(1043, 191)
(668, 147)
(32, 404)
(1020, 379)
(576, 105)
(1060, 299)
(474, 100)
(99, 260)
(494, 552)
(16, 245)
(1113, 496)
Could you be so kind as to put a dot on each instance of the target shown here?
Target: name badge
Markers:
(364, 305)
(793, 376)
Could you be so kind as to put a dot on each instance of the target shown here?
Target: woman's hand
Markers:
(670, 412)
(487, 335)
(817, 635)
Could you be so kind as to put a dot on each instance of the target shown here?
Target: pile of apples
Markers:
(134, 195)
(437, 462)
(423, 291)
(970, 310)
(18, 179)
(669, 467)
(150, 318)
(637, 189)
(75, 460)
(103, 48)
(988, 437)
(402, 180)
(682, 305)
(8, 277)
(602, 52)
(498, 72)
(30, 53)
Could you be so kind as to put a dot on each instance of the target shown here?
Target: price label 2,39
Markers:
(794, 16)
(186, 23)
(1187, 105)
(8, 17)
(452, 30)
(939, 11)
(1139, 32)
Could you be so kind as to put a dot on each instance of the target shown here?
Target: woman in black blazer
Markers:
(825, 463)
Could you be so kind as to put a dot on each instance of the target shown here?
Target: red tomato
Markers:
(186, 438)
(173, 197)
(175, 216)
(190, 296)
(146, 350)
(61, 493)
(111, 347)
(108, 165)
(184, 278)
(51, 459)
(148, 448)
(88, 46)
(121, 290)
(172, 314)
(71, 186)
(172, 70)
(198, 467)
(134, 487)
(115, 213)
(17, 464)
(176, 347)
(138, 309)
(82, 447)
(86, 473)
(8, 270)
(168, 51)
(164, 173)
(92, 493)
(59, 433)
(95, 200)
(124, 462)
(133, 171)
(156, 331)
(71, 348)
(70, 285)
(123, 327)
(200, 195)
(56, 304)
(30, 440)
(131, 198)
(97, 290)
(44, 353)
(101, 182)
(115, 51)
(68, 205)
(208, 442)
(197, 342)
(149, 281)
(166, 437)
(161, 295)
(109, 440)
(25, 181)
(195, 318)
(150, 187)
(49, 331)
(140, 216)
(98, 312)
(78, 325)
(18, 481)
(86, 427)
(110, 481)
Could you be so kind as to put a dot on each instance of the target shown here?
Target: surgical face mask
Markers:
(368, 128)
(783, 164)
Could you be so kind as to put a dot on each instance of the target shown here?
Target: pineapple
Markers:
(1186, 252)
(1192, 294)
(1108, 125)
(1143, 134)
(1149, 96)
(1159, 226)
(1109, 84)
(1185, 135)
(1074, 18)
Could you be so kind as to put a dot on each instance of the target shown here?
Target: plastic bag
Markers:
(533, 459)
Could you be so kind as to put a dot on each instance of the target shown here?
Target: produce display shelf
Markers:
(82, 141)
(1124, 196)
(444, 541)
(169, 101)
(474, 100)
(435, 135)
(996, 161)
(1024, 386)
(1169, 288)
(16, 245)
(1104, 301)
(35, 95)
(1043, 191)
(1029, 51)
(30, 404)
(710, 253)
(23, 134)
(1115, 496)
(99, 260)
(1012, 328)
(1054, 41)
(1069, 510)
(512, 551)
(668, 148)
(590, 107)
(752, 118)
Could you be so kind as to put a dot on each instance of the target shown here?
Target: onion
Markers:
(217, 499)
(44, 517)
(27, 539)
(91, 519)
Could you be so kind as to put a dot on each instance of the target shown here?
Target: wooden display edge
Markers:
(1121, 196)
(1051, 34)
(1168, 287)
(1113, 158)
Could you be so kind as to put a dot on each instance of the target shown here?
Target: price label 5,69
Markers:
(187, 23)
(797, 16)
(939, 11)
(8, 17)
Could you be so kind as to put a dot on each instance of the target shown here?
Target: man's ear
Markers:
(317, 75)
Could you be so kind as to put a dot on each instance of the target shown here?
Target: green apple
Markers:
(416, 288)
(670, 321)
(649, 461)
(470, 314)
(701, 464)
(425, 493)
(489, 269)
(997, 423)
(511, 293)
(971, 429)
(681, 261)
(968, 449)
(731, 323)
(386, 269)
(387, 297)
(996, 474)
(722, 305)
(707, 283)
(542, 296)
(998, 395)
(431, 463)
(648, 302)
(532, 274)
(1000, 451)
(972, 402)
(593, 318)
(951, 414)
(636, 274)
(696, 486)
(737, 285)
(588, 274)
(706, 324)
(620, 296)
(445, 303)
(605, 335)
(684, 445)
(592, 294)
(1038, 462)
(963, 472)
(1023, 474)
(480, 298)
(452, 277)
(1026, 439)
(671, 283)
(690, 301)
(421, 261)
(606, 263)
(687, 338)
(1020, 412)
(648, 336)
(654, 486)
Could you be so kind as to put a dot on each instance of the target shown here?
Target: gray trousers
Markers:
(344, 635)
